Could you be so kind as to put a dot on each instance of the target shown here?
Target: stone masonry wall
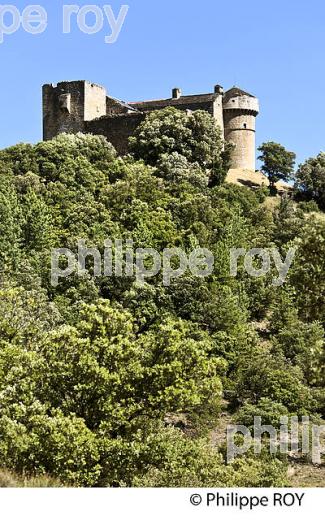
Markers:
(95, 101)
(81, 106)
(116, 129)
(240, 130)
(63, 108)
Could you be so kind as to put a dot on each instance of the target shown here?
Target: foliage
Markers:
(278, 163)
(269, 411)
(310, 179)
(309, 206)
(307, 273)
(260, 374)
(193, 137)
(108, 382)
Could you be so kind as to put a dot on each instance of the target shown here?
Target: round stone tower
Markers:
(239, 113)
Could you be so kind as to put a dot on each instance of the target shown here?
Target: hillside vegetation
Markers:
(105, 381)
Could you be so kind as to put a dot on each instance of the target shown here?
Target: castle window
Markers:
(245, 125)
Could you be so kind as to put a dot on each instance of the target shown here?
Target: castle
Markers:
(81, 106)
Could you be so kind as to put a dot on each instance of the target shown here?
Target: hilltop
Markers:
(254, 180)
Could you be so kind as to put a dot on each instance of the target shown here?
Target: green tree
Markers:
(310, 179)
(195, 136)
(261, 374)
(10, 221)
(278, 163)
(307, 272)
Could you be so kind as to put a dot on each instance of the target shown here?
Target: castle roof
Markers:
(196, 99)
(236, 92)
(183, 100)
(124, 104)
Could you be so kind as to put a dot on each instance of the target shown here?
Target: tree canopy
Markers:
(310, 179)
(278, 163)
(108, 382)
(193, 138)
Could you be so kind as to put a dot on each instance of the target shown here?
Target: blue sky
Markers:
(274, 49)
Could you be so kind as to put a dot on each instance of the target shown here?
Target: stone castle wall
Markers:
(240, 131)
(95, 101)
(63, 108)
(81, 106)
(116, 129)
